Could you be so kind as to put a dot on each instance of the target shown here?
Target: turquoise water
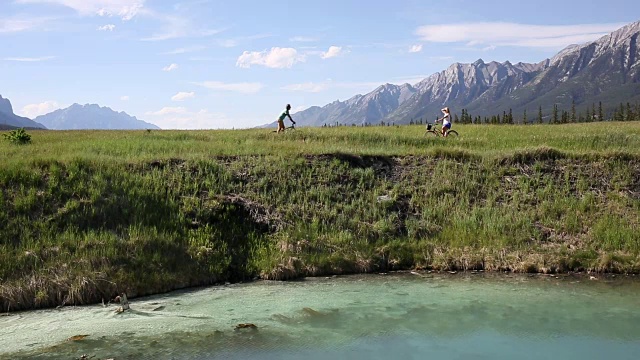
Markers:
(396, 316)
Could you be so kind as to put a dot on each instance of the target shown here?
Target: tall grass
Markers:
(486, 140)
(87, 214)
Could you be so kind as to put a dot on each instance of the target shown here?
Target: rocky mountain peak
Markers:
(478, 62)
(623, 37)
(5, 106)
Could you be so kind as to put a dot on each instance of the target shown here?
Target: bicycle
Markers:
(288, 128)
(432, 131)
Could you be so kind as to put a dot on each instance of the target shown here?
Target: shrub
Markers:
(18, 136)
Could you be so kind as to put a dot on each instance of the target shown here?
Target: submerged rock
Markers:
(246, 326)
(77, 338)
(311, 312)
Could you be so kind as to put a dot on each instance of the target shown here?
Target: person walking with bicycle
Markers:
(284, 114)
(446, 121)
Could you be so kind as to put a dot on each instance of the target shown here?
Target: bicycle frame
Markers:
(431, 129)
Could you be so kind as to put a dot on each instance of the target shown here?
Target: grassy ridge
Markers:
(86, 214)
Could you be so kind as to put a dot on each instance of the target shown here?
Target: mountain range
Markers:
(75, 117)
(9, 120)
(91, 116)
(606, 70)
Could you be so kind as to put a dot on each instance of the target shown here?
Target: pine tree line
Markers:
(624, 112)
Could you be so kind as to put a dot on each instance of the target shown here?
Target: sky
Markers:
(209, 64)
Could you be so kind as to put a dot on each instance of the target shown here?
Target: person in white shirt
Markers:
(446, 121)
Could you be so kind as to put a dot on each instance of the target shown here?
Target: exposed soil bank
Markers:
(80, 232)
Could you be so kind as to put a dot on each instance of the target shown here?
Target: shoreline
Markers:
(573, 277)
(586, 276)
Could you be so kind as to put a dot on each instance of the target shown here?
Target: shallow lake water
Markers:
(393, 316)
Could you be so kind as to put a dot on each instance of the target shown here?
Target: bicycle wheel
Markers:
(452, 133)
(432, 133)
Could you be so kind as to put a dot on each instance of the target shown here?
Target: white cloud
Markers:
(168, 111)
(34, 110)
(184, 50)
(332, 52)
(416, 48)
(311, 52)
(172, 26)
(176, 32)
(276, 58)
(170, 67)
(256, 36)
(228, 43)
(364, 86)
(315, 87)
(202, 58)
(183, 118)
(299, 108)
(181, 96)
(177, 27)
(29, 59)
(190, 4)
(125, 9)
(511, 34)
(108, 27)
(12, 25)
(244, 88)
(125, 98)
(411, 79)
(302, 39)
(311, 87)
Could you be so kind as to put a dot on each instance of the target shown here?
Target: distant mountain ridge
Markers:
(92, 116)
(462, 84)
(360, 109)
(10, 120)
(606, 70)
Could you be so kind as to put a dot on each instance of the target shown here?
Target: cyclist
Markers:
(284, 114)
(446, 121)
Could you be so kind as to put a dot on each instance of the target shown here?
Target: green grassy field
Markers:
(482, 140)
(87, 214)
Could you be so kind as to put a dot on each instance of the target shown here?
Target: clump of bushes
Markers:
(18, 136)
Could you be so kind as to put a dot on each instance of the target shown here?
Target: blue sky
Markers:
(194, 64)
